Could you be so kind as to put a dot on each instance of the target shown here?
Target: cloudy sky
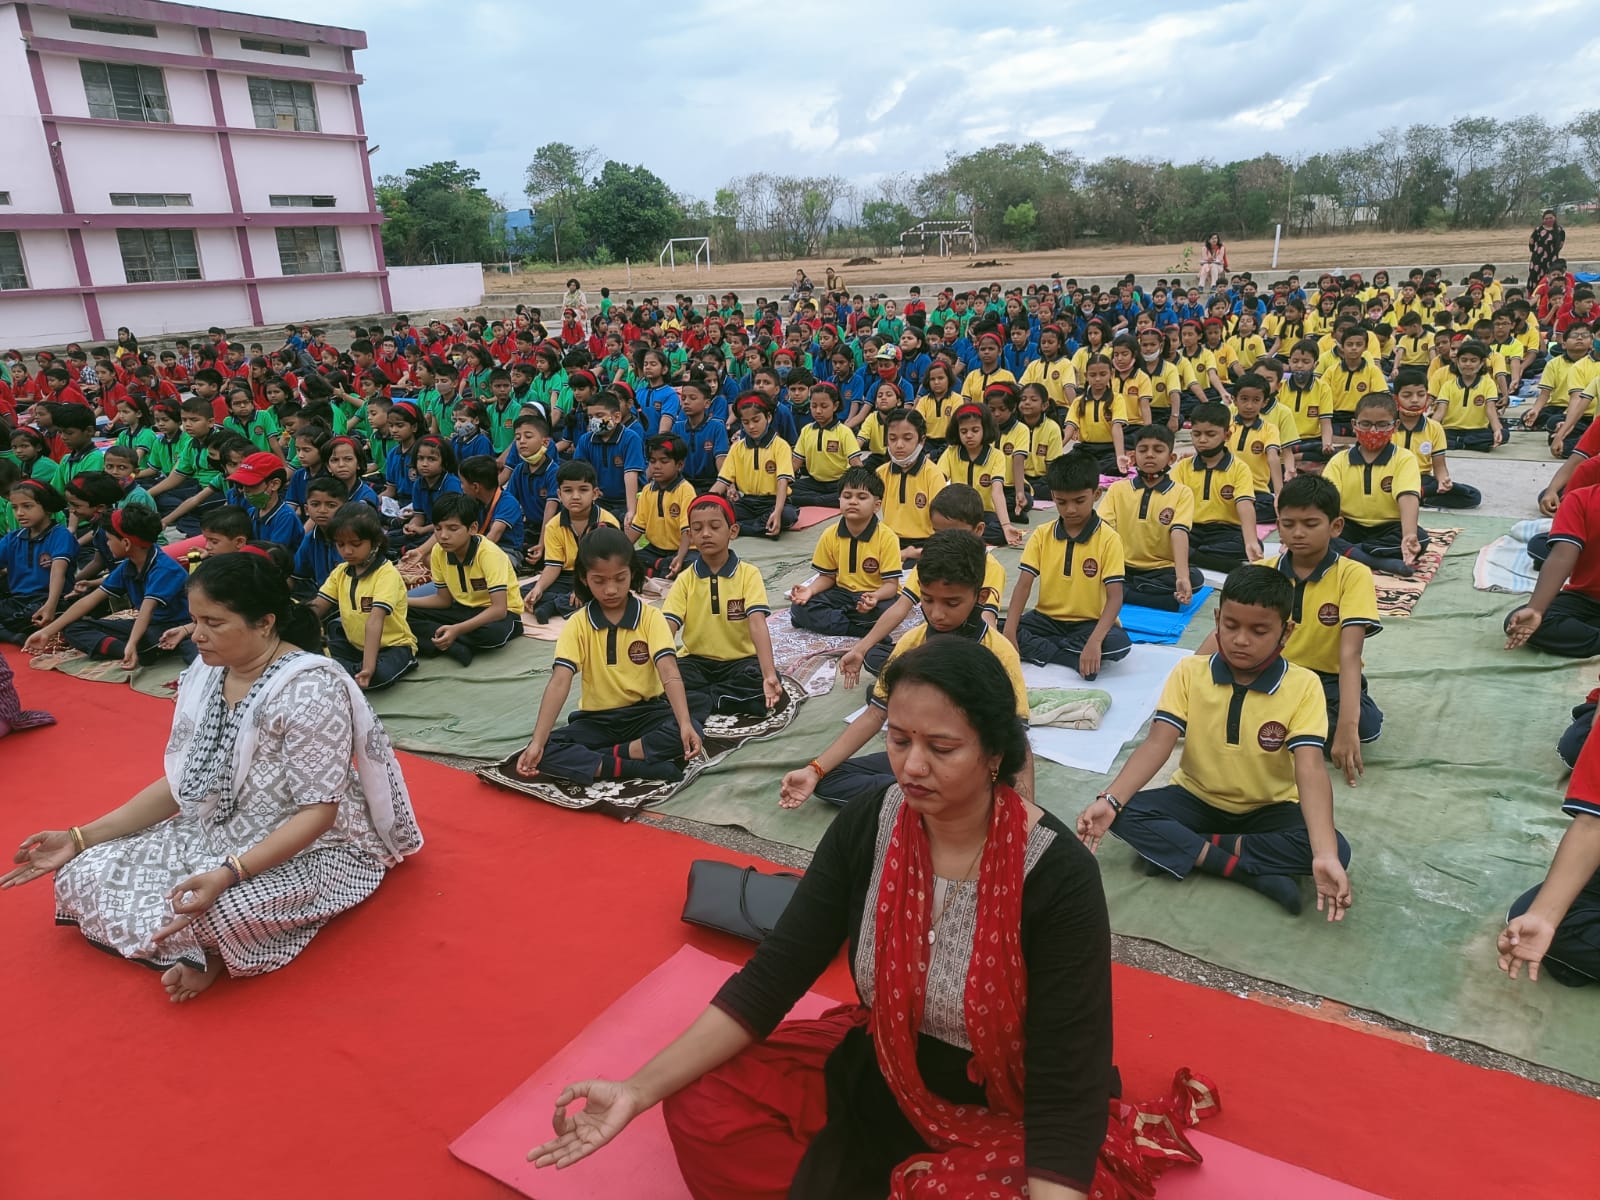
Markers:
(702, 90)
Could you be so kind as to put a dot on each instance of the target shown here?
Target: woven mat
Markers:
(812, 659)
(624, 797)
(1397, 597)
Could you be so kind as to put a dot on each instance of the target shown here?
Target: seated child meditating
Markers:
(857, 561)
(1466, 401)
(1306, 398)
(719, 605)
(1039, 441)
(476, 605)
(824, 450)
(317, 556)
(1380, 492)
(758, 471)
(1151, 515)
(37, 559)
(153, 584)
(1563, 614)
(615, 449)
(1251, 800)
(371, 638)
(91, 499)
(632, 719)
(951, 575)
(553, 593)
(1254, 440)
(706, 435)
(528, 473)
(1224, 531)
(955, 507)
(1555, 927)
(662, 515)
(910, 481)
(1419, 433)
(972, 459)
(1078, 562)
(191, 486)
(1098, 417)
(435, 465)
(262, 477)
(503, 519)
(1335, 611)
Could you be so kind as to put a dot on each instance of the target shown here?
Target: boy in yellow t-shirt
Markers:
(476, 605)
(1078, 561)
(371, 638)
(1152, 515)
(1224, 532)
(1419, 433)
(758, 471)
(661, 517)
(1380, 492)
(1251, 800)
(857, 561)
(1255, 441)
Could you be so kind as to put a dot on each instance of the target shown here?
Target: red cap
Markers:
(256, 468)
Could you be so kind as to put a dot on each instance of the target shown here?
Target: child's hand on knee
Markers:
(1094, 821)
(130, 659)
(1333, 887)
(445, 637)
(528, 760)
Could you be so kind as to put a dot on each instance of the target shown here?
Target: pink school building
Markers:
(172, 168)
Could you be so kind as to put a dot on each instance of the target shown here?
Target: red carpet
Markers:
(350, 1072)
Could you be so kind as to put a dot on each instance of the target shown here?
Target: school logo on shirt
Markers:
(1091, 568)
(1258, 447)
(922, 500)
(1313, 410)
(1272, 736)
(674, 509)
(1227, 491)
(1386, 483)
(479, 583)
(1328, 614)
(44, 560)
(366, 604)
(1478, 400)
(771, 466)
(1361, 385)
(638, 654)
(869, 565)
(735, 610)
(833, 446)
(616, 461)
(1165, 516)
(1426, 447)
(985, 480)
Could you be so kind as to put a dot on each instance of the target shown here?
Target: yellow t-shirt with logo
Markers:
(1144, 518)
(1073, 572)
(1369, 492)
(357, 596)
(1338, 594)
(662, 516)
(473, 579)
(908, 497)
(616, 663)
(978, 475)
(827, 453)
(713, 609)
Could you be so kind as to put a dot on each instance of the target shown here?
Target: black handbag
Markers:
(738, 900)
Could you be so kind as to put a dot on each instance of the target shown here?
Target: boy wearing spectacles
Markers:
(1380, 492)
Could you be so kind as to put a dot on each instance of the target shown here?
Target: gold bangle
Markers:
(238, 865)
(76, 834)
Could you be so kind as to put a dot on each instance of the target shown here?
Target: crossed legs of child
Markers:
(1217, 546)
(1571, 626)
(1369, 724)
(753, 512)
(393, 661)
(818, 493)
(716, 685)
(1174, 831)
(835, 613)
(558, 601)
(1480, 440)
(1460, 495)
(1572, 740)
(1574, 954)
(637, 741)
(1042, 639)
(1377, 546)
(107, 637)
(867, 776)
(657, 562)
(425, 622)
(1157, 587)
(16, 615)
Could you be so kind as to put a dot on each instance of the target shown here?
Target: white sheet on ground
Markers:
(1134, 685)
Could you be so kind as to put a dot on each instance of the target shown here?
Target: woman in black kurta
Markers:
(1544, 247)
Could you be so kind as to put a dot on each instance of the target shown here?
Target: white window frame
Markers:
(169, 255)
(154, 107)
(297, 257)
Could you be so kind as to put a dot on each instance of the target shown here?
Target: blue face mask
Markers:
(783, 372)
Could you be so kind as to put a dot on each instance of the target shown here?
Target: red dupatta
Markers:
(979, 1149)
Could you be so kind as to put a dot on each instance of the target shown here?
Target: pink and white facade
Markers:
(171, 168)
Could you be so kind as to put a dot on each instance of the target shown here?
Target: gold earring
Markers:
(994, 774)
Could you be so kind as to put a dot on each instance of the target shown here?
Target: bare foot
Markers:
(183, 982)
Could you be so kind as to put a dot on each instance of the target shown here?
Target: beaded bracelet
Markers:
(817, 767)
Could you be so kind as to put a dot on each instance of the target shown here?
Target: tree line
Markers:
(1474, 173)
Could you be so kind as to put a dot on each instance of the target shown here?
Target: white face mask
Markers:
(907, 460)
(1152, 357)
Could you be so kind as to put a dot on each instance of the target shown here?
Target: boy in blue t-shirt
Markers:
(616, 452)
(503, 520)
(528, 473)
(36, 560)
(317, 556)
(262, 478)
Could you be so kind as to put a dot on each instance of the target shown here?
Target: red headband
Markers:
(719, 501)
(341, 440)
(992, 336)
(132, 539)
(969, 410)
(257, 551)
(746, 401)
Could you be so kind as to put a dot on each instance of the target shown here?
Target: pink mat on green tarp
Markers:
(640, 1163)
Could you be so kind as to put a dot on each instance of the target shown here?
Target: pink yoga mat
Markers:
(814, 514)
(179, 550)
(640, 1164)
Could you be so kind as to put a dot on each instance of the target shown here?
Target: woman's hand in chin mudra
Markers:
(38, 856)
(608, 1108)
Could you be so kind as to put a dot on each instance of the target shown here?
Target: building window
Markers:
(309, 250)
(262, 47)
(13, 274)
(300, 201)
(119, 92)
(152, 200)
(123, 28)
(284, 104)
(158, 255)
(5, 197)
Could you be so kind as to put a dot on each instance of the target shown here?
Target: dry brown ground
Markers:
(1352, 252)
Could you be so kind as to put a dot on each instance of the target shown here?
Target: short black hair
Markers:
(481, 469)
(1378, 400)
(1260, 587)
(96, 488)
(141, 522)
(953, 556)
(907, 416)
(1410, 377)
(1210, 413)
(362, 522)
(71, 416)
(457, 506)
(329, 485)
(974, 681)
(1159, 433)
(959, 503)
(1078, 470)
(576, 472)
(226, 520)
(862, 479)
(606, 399)
(603, 544)
(1252, 380)
(1311, 491)
(534, 420)
(670, 444)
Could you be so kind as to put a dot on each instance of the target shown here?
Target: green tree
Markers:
(555, 187)
(1019, 221)
(628, 210)
(883, 221)
(440, 213)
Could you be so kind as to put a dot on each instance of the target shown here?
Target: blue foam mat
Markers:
(1160, 626)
